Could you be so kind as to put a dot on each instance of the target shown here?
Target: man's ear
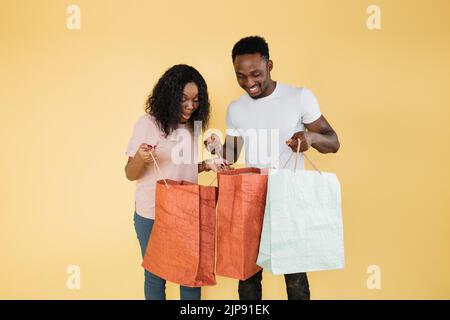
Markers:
(270, 65)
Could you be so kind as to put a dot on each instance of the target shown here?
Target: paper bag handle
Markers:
(296, 158)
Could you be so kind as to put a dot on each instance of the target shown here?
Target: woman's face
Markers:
(189, 101)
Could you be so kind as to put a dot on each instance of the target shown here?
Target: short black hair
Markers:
(164, 103)
(250, 45)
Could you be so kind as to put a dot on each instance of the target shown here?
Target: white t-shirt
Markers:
(266, 123)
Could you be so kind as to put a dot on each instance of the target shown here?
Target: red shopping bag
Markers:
(181, 245)
(240, 213)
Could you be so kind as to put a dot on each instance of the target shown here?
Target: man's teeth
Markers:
(253, 89)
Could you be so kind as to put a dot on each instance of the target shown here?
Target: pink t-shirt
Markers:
(176, 156)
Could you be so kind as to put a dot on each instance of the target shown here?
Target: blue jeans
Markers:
(154, 286)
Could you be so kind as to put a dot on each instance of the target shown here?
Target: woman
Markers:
(165, 134)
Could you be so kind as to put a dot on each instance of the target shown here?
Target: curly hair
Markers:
(249, 45)
(164, 103)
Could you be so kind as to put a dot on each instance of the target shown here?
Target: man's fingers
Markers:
(293, 144)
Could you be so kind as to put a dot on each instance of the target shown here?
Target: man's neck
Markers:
(270, 89)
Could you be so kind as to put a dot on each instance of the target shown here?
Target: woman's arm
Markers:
(136, 165)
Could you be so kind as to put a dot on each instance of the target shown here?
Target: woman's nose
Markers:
(190, 105)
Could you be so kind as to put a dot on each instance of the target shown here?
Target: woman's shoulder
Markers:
(147, 121)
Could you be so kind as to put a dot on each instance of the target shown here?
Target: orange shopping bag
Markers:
(181, 245)
(240, 213)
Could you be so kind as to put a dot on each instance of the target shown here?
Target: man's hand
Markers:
(213, 144)
(305, 141)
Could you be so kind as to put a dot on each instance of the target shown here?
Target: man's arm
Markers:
(231, 148)
(320, 136)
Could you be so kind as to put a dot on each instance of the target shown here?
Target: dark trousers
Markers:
(297, 287)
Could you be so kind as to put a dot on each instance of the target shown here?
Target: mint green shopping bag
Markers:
(302, 228)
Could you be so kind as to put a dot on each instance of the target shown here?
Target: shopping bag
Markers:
(181, 248)
(240, 210)
(302, 229)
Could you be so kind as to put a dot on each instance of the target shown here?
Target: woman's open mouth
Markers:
(186, 116)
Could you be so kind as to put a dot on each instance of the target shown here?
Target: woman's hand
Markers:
(146, 153)
(216, 165)
(136, 166)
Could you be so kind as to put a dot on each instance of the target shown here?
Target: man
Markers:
(270, 120)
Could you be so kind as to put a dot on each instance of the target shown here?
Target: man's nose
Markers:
(250, 83)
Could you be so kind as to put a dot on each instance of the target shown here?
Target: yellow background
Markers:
(69, 100)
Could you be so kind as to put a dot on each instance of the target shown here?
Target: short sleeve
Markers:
(232, 130)
(310, 106)
(145, 131)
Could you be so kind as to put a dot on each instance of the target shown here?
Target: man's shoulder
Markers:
(238, 103)
(289, 89)
(298, 93)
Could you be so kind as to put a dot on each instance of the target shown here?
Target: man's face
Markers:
(253, 74)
